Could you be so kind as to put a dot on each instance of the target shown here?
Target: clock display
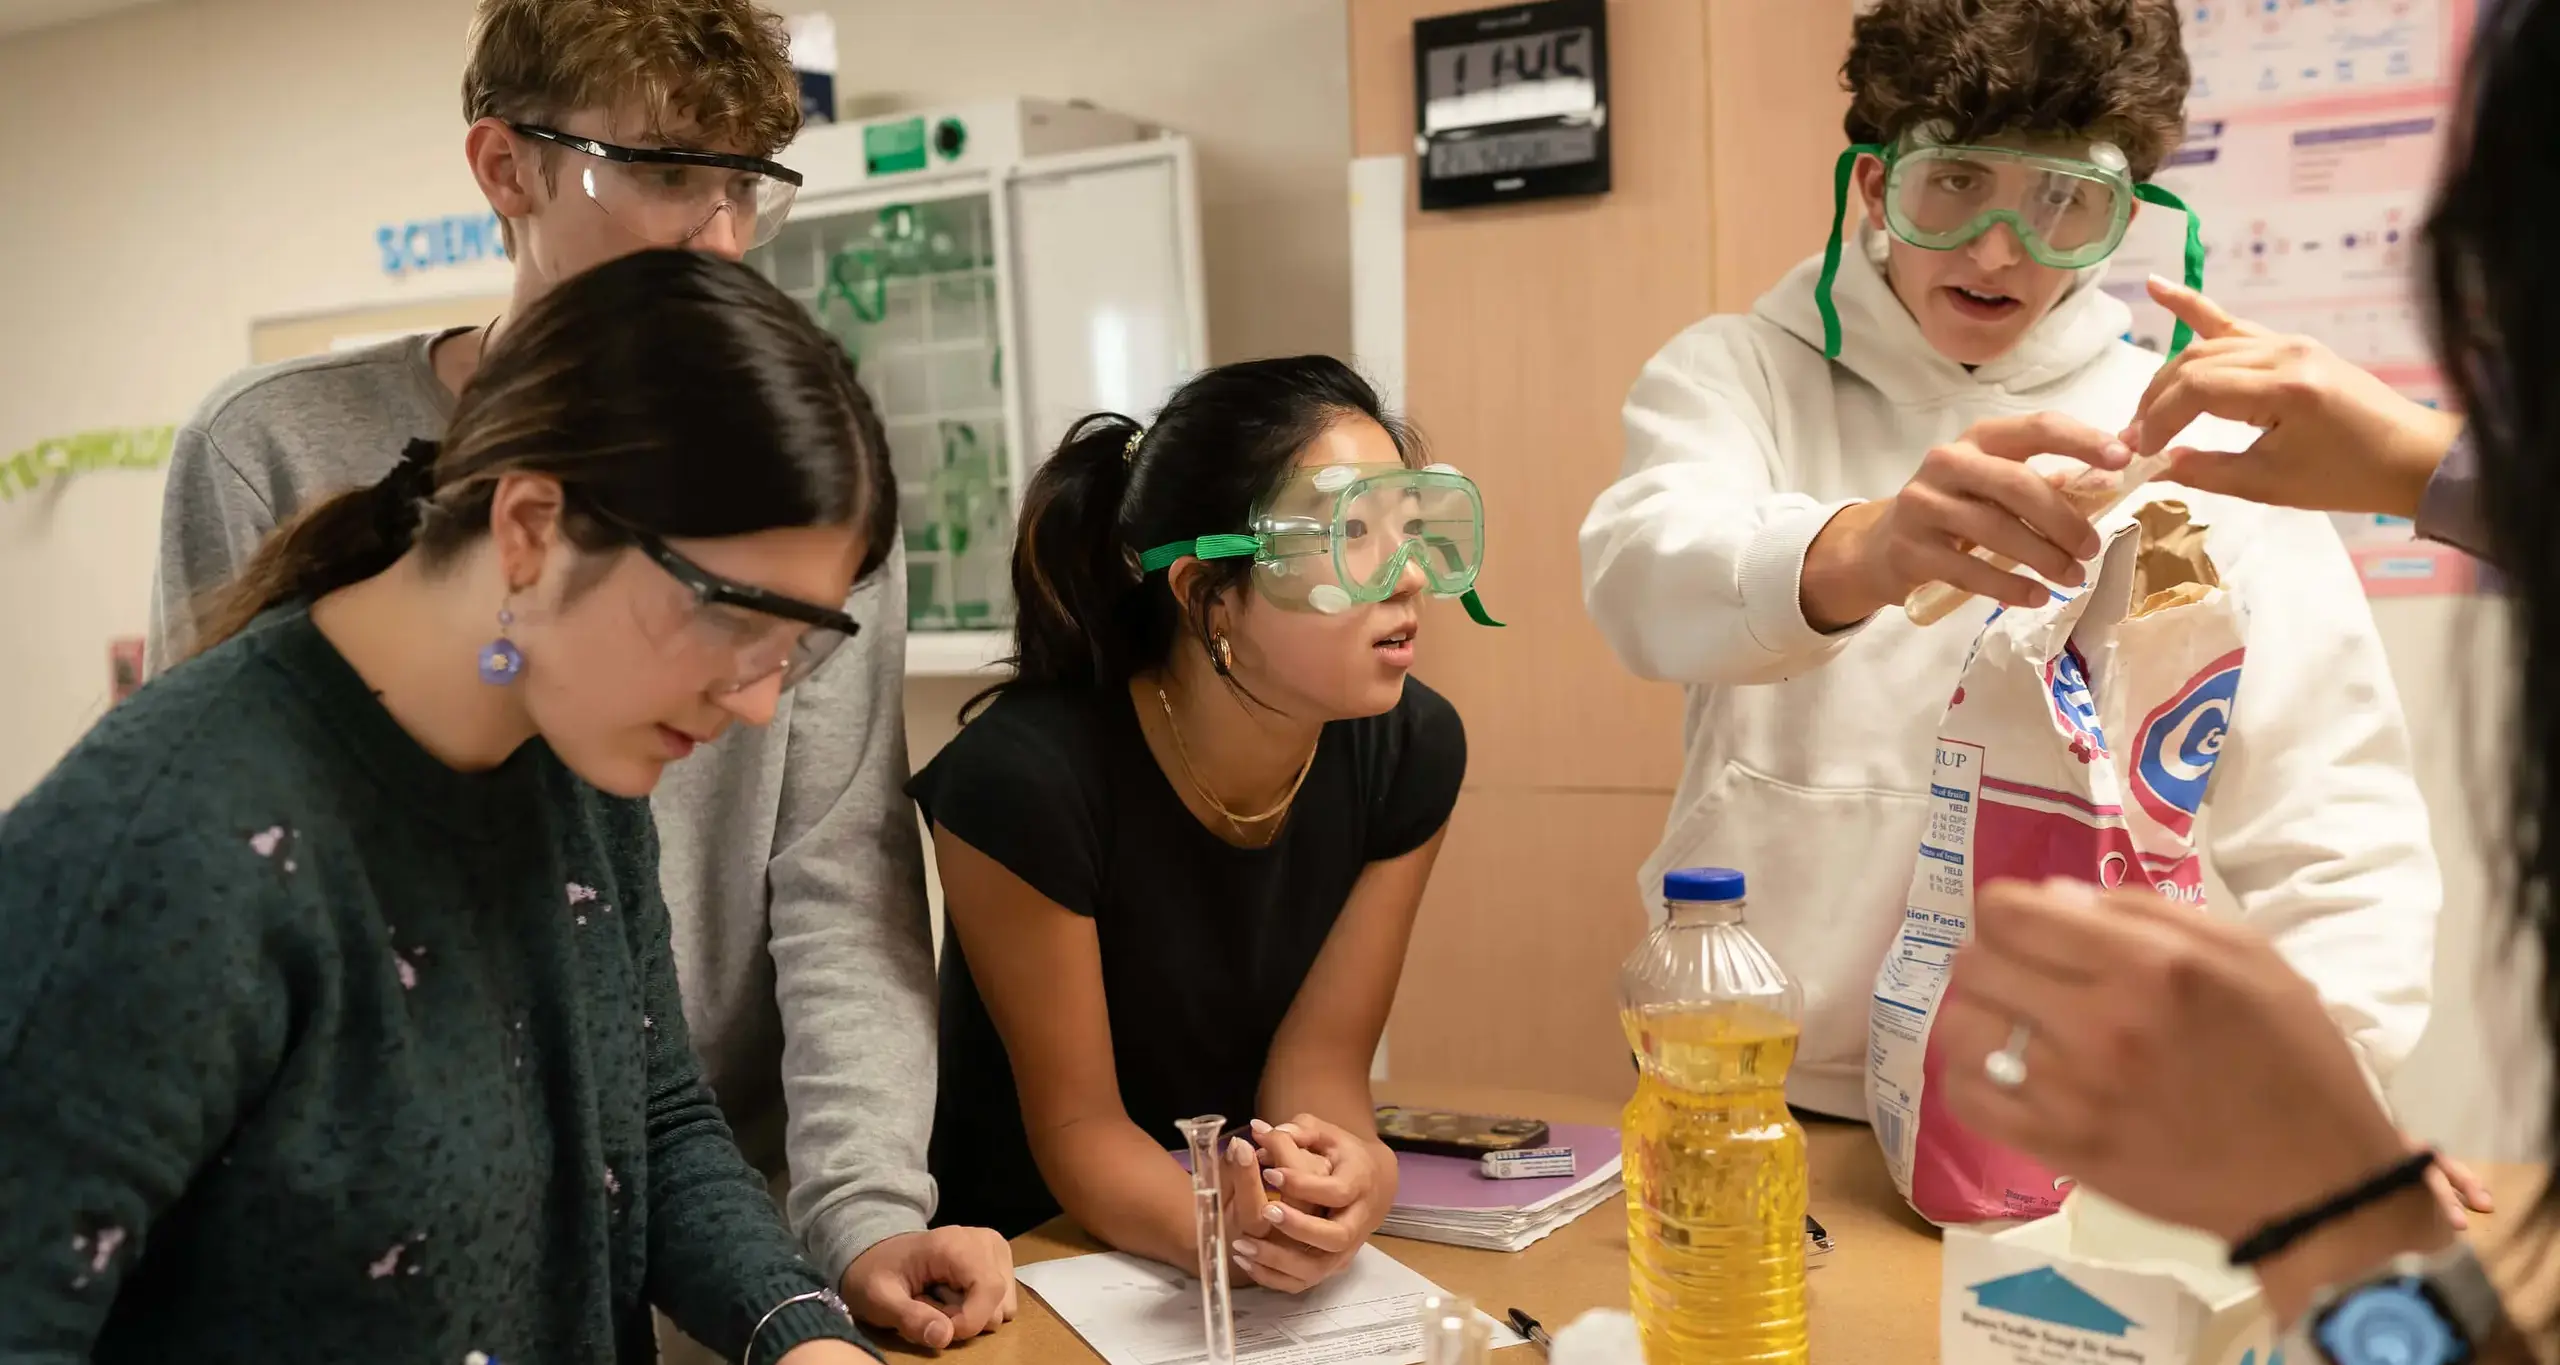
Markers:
(1512, 103)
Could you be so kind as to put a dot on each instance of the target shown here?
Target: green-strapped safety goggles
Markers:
(2069, 213)
(1334, 535)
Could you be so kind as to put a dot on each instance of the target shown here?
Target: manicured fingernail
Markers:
(2116, 451)
(1272, 1178)
(1273, 1213)
(1292, 1130)
(1240, 1151)
(1246, 1251)
(1259, 1127)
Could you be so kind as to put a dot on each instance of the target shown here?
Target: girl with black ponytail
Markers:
(1182, 846)
(338, 1019)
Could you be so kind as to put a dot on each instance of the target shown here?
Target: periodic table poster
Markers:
(2315, 130)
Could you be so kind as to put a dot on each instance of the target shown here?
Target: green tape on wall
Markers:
(58, 457)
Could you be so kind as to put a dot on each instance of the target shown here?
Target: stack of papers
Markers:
(1135, 1312)
(1450, 1199)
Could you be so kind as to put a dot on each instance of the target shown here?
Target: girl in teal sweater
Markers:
(337, 1015)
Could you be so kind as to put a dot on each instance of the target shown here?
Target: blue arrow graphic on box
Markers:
(2045, 1296)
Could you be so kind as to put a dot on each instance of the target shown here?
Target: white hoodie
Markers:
(1808, 754)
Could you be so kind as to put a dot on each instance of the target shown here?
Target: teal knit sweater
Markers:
(314, 1049)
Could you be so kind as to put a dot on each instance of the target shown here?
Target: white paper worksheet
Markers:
(1137, 1312)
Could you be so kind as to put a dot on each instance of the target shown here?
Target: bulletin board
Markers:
(286, 338)
(2315, 130)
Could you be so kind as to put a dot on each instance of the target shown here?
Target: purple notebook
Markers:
(1449, 1182)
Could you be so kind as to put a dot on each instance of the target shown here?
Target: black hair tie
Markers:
(2292, 1228)
(399, 499)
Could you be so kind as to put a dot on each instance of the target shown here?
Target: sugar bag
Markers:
(2078, 743)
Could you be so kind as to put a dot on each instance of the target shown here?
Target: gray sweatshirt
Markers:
(2450, 511)
(790, 859)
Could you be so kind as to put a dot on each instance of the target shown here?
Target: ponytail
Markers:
(1074, 579)
(345, 540)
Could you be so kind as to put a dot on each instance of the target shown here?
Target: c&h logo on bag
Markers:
(2174, 753)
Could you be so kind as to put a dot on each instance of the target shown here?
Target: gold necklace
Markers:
(1182, 752)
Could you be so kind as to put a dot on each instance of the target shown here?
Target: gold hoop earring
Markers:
(1222, 654)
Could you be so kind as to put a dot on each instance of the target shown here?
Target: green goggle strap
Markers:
(1206, 547)
(1841, 170)
(2155, 194)
(1848, 164)
(1245, 547)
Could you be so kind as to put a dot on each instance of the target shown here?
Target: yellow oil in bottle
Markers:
(1715, 1173)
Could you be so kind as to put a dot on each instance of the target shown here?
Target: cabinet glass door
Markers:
(910, 291)
(1106, 309)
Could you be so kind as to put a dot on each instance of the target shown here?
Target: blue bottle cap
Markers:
(1695, 884)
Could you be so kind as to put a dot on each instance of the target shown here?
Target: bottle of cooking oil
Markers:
(1715, 1165)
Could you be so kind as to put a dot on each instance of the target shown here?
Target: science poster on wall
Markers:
(2315, 132)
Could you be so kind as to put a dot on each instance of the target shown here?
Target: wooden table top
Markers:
(1874, 1298)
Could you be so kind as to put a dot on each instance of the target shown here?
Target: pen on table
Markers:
(1528, 1327)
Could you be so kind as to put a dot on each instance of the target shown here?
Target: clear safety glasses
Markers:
(1331, 536)
(668, 195)
(754, 633)
(2068, 213)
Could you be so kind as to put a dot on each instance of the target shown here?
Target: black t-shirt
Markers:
(1204, 944)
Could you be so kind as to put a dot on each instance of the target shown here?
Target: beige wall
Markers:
(174, 171)
(1523, 327)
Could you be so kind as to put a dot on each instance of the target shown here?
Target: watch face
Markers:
(2391, 1322)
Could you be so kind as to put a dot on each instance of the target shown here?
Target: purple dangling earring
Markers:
(501, 662)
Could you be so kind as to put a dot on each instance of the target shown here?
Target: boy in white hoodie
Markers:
(1777, 505)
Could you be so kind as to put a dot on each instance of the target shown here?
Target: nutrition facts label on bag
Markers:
(1946, 843)
(1914, 975)
(1938, 917)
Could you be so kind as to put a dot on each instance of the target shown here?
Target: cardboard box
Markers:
(2096, 1283)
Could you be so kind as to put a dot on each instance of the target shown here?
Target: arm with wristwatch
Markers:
(2373, 1276)
(2277, 1145)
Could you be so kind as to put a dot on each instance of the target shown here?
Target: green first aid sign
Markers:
(888, 148)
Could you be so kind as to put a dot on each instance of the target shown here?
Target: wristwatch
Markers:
(2435, 1309)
